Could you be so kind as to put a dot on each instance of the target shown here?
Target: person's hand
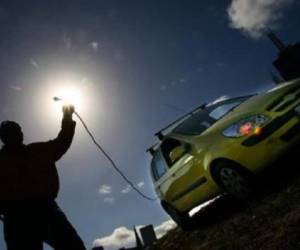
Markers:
(68, 111)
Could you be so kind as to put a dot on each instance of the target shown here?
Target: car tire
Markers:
(182, 219)
(234, 179)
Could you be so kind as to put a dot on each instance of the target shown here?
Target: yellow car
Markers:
(221, 146)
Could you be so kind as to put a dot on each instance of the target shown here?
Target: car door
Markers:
(181, 178)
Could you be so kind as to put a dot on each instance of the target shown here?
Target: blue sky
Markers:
(139, 65)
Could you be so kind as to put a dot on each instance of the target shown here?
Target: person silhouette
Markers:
(29, 185)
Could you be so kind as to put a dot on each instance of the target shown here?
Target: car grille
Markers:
(285, 100)
(291, 133)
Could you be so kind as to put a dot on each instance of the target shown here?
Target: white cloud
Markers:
(162, 229)
(140, 184)
(95, 46)
(109, 200)
(34, 63)
(123, 237)
(105, 189)
(126, 190)
(253, 17)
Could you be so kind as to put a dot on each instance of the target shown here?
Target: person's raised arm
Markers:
(63, 141)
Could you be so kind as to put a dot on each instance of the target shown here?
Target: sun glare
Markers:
(66, 89)
(69, 95)
(60, 88)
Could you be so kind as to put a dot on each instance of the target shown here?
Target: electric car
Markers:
(219, 147)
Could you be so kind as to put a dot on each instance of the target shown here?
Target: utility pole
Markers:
(287, 62)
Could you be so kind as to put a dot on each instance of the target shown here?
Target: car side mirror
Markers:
(177, 153)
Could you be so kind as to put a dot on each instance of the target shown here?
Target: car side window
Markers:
(158, 166)
(173, 150)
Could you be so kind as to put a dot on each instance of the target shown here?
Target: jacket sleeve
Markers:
(62, 142)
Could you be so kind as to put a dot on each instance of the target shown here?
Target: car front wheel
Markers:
(234, 179)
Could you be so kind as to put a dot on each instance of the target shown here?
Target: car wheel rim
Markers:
(234, 182)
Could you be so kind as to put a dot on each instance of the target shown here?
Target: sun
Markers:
(65, 88)
(69, 95)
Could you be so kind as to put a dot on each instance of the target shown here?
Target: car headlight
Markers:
(249, 126)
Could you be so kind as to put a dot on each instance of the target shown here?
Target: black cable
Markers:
(130, 183)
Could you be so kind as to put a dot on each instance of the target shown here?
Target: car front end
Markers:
(260, 130)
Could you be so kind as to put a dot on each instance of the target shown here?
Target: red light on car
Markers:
(246, 129)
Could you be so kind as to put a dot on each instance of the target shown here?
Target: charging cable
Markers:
(113, 164)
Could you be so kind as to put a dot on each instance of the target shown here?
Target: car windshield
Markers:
(203, 119)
